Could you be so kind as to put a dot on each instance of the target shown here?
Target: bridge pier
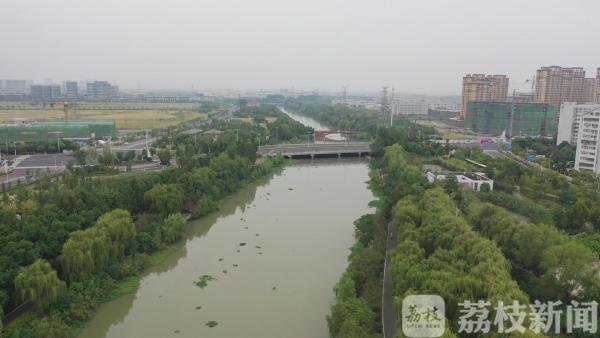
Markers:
(312, 156)
(339, 155)
(359, 154)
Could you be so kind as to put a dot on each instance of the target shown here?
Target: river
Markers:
(276, 248)
(304, 120)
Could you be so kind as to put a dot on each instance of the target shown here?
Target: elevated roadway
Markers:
(316, 149)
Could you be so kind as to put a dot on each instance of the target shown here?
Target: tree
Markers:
(172, 227)
(164, 199)
(165, 156)
(451, 184)
(38, 282)
(80, 157)
(95, 248)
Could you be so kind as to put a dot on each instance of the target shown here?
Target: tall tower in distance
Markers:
(385, 102)
(482, 87)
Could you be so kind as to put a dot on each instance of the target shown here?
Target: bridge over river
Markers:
(317, 149)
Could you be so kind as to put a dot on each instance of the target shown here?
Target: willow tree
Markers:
(95, 248)
(172, 227)
(38, 282)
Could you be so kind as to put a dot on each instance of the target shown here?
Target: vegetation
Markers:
(67, 243)
(335, 116)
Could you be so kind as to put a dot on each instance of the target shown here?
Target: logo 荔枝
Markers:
(423, 316)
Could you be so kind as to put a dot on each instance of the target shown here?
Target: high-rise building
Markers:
(514, 119)
(13, 87)
(481, 87)
(569, 120)
(45, 92)
(71, 90)
(589, 90)
(587, 156)
(555, 85)
(102, 90)
(597, 99)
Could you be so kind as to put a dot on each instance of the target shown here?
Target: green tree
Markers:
(172, 227)
(80, 157)
(164, 199)
(38, 282)
(451, 184)
(165, 156)
(93, 249)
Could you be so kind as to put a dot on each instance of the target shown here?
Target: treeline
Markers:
(280, 127)
(438, 253)
(548, 264)
(64, 244)
(38, 146)
(336, 116)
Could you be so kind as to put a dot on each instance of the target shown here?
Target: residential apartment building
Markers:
(597, 99)
(570, 119)
(481, 87)
(556, 85)
(588, 142)
(589, 90)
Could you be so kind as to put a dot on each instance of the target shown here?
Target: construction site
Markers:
(514, 119)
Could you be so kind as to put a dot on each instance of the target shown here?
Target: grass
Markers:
(160, 255)
(123, 287)
(137, 116)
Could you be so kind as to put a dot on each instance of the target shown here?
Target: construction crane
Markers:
(66, 108)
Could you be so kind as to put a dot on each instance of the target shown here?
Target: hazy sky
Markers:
(417, 46)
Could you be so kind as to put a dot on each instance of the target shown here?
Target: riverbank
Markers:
(274, 270)
(130, 285)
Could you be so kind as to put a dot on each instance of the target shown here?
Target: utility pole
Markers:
(345, 95)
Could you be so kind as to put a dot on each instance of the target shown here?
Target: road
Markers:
(135, 145)
(388, 316)
(315, 149)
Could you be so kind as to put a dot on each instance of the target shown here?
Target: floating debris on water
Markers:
(198, 307)
(245, 227)
(290, 188)
(238, 250)
(243, 244)
(212, 323)
(202, 282)
(220, 259)
(176, 331)
(257, 247)
(274, 288)
(256, 235)
(235, 265)
(224, 271)
(260, 253)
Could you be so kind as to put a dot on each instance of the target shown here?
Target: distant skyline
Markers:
(415, 46)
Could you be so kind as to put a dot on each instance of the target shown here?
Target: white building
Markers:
(466, 181)
(587, 155)
(404, 107)
(569, 120)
